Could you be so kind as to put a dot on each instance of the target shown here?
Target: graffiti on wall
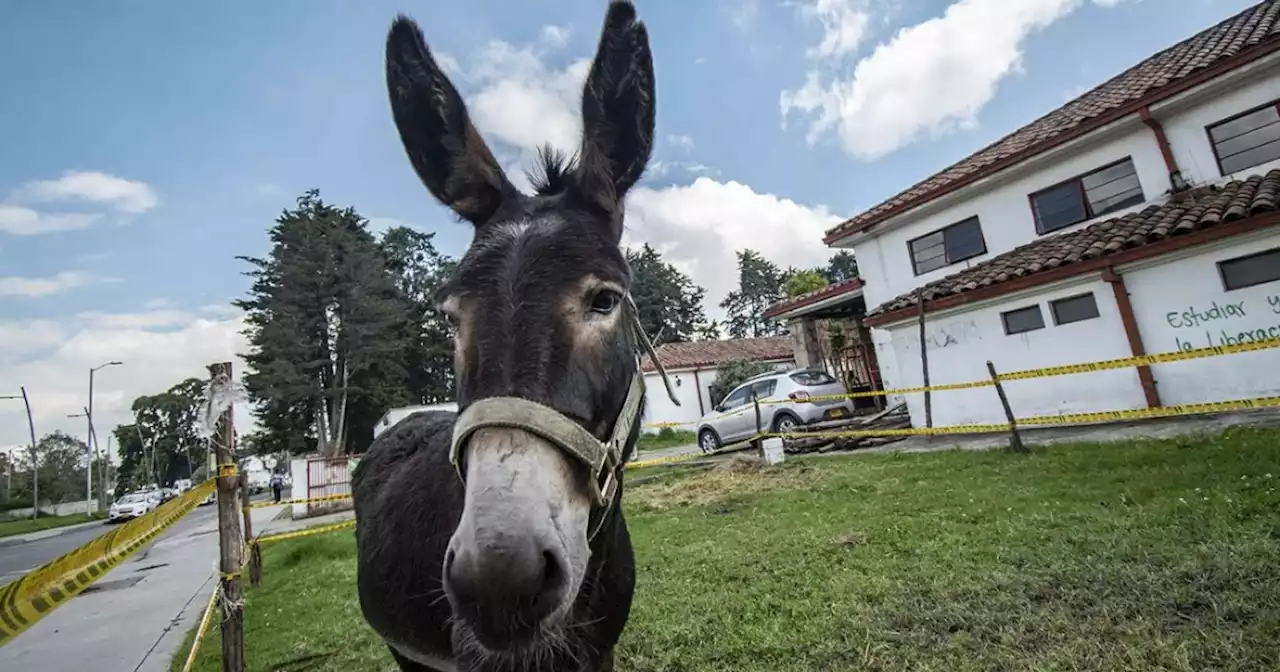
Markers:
(1225, 323)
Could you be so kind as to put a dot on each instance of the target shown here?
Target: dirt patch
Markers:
(736, 477)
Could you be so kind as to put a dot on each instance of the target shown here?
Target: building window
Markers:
(1254, 269)
(1023, 320)
(1247, 140)
(1104, 190)
(960, 241)
(1074, 309)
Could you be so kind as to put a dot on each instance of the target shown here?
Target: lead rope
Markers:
(649, 350)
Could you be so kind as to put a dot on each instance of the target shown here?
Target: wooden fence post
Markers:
(924, 364)
(254, 561)
(230, 541)
(1015, 441)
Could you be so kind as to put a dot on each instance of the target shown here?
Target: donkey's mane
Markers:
(553, 173)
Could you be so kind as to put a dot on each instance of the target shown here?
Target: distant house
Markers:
(691, 368)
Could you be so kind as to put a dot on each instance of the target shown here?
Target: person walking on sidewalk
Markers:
(277, 484)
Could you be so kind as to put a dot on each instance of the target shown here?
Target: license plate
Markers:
(837, 412)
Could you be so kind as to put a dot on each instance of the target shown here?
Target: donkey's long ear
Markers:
(617, 109)
(446, 150)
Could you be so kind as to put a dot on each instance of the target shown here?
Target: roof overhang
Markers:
(1203, 83)
(817, 301)
(1061, 273)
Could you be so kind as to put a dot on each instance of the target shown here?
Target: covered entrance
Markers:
(827, 332)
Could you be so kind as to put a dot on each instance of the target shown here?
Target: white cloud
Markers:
(555, 37)
(128, 196)
(519, 102)
(20, 338)
(928, 80)
(701, 226)
(19, 221)
(744, 14)
(844, 25)
(154, 359)
(56, 284)
(682, 142)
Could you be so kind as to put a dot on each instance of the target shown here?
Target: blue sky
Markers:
(147, 143)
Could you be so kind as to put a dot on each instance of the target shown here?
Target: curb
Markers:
(53, 532)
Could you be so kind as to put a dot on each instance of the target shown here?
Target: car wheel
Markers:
(785, 423)
(708, 441)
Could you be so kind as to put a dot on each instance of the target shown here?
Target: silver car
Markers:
(784, 405)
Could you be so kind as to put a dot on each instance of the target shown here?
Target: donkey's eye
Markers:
(605, 301)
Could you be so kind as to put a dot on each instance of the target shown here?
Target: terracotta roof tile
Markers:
(833, 289)
(1203, 208)
(1144, 83)
(712, 353)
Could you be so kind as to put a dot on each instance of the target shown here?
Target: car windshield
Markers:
(132, 499)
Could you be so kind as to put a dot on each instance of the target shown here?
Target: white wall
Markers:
(1161, 296)
(960, 343)
(658, 406)
(1005, 214)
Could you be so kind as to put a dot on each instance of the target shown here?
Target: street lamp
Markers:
(35, 465)
(88, 474)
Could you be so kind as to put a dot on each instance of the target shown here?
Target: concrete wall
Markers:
(63, 509)
(1002, 203)
(1181, 304)
(961, 342)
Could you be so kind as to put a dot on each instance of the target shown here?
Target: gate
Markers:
(328, 477)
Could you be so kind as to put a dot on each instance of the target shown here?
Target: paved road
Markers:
(132, 619)
(18, 559)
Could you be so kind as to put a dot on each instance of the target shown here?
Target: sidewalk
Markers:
(45, 534)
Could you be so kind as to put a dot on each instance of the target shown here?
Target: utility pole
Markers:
(88, 411)
(35, 464)
(230, 541)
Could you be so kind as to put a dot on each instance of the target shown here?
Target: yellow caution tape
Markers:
(1146, 360)
(319, 529)
(310, 500)
(227, 470)
(30, 598)
(204, 627)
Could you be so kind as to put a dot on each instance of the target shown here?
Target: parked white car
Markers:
(789, 406)
(132, 505)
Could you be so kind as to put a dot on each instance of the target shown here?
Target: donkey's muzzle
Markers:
(504, 585)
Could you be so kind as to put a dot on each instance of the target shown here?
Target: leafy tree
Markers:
(759, 286)
(62, 461)
(668, 301)
(805, 281)
(842, 266)
(732, 374)
(418, 271)
(170, 449)
(325, 326)
(133, 470)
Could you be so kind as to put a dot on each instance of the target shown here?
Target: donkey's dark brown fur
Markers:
(498, 574)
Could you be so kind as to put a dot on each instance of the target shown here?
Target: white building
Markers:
(1143, 216)
(691, 367)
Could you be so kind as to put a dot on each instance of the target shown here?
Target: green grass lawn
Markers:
(1139, 556)
(12, 527)
(665, 438)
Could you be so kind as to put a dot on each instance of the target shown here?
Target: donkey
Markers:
(494, 539)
